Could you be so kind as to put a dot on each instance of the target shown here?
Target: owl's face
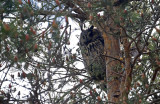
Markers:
(89, 35)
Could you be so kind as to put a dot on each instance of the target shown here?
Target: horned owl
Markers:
(92, 48)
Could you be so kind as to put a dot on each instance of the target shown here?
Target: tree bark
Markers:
(112, 48)
(126, 81)
(114, 73)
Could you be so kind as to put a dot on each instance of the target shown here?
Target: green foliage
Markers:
(39, 65)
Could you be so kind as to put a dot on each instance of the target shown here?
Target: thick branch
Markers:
(128, 69)
(78, 12)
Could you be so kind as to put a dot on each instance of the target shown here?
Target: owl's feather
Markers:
(92, 49)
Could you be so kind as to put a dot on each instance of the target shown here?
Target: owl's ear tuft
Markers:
(91, 28)
(90, 31)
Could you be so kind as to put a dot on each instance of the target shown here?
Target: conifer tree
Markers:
(38, 64)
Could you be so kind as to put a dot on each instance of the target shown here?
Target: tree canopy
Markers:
(41, 63)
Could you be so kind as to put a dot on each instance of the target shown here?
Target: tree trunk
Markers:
(112, 48)
(118, 80)
(111, 35)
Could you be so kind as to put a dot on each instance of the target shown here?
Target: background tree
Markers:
(38, 64)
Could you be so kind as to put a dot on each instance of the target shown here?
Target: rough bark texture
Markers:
(118, 80)
(112, 67)
(114, 72)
